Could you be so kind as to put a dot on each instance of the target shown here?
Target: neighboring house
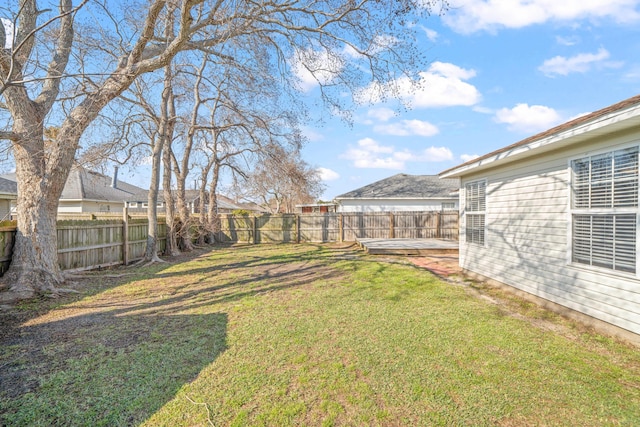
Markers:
(8, 195)
(402, 192)
(252, 207)
(557, 216)
(138, 203)
(317, 208)
(225, 204)
(89, 191)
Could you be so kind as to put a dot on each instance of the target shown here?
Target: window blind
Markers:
(475, 205)
(604, 210)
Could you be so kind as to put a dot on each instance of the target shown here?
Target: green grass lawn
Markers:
(305, 335)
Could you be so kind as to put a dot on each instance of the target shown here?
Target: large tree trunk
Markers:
(185, 218)
(151, 250)
(203, 236)
(215, 225)
(41, 170)
(172, 248)
(34, 266)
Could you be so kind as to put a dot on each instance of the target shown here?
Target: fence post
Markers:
(125, 235)
(391, 226)
(439, 224)
(255, 229)
(340, 228)
(297, 228)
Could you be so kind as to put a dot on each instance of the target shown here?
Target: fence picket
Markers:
(335, 227)
(88, 244)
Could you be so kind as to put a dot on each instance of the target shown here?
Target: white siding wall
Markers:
(89, 206)
(527, 240)
(69, 207)
(378, 205)
(5, 209)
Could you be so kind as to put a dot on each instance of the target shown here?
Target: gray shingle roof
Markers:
(8, 186)
(403, 186)
(90, 185)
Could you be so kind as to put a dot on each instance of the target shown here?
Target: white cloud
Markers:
(382, 114)
(581, 63)
(351, 52)
(525, 118)
(312, 67)
(328, 174)
(407, 128)
(467, 157)
(436, 154)
(432, 35)
(442, 85)
(370, 154)
(482, 110)
(311, 134)
(469, 16)
(633, 74)
(567, 41)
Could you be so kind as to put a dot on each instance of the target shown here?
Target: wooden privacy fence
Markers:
(339, 227)
(88, 244)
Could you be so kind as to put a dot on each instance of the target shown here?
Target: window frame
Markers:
(480, 212)
(593, 209)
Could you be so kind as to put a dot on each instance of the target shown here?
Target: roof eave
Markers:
(615, 121)
(397, 198)
(93, 200)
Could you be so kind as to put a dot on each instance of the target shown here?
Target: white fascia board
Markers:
(616, 121)
(359, 199)
(92, 200)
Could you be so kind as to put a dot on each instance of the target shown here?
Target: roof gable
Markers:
(403, 186)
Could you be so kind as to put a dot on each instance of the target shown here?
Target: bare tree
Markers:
(281, 179)
(330, 40)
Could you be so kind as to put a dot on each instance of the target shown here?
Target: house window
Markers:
(446, 206)
(133, 204)
(604, 210)
(475, 205)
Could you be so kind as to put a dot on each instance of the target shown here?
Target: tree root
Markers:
(12, 297)
(147, 262)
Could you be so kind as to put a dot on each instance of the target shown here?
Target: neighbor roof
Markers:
(84, 184)
(9, 187)
(89, 185)
(620, 116)
(403, 186)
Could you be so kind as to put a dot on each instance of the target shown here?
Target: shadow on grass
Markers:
(116, 354)
(104, 369)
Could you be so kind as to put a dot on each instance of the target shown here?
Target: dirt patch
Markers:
(443, 266)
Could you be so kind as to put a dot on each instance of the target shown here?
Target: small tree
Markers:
(281, 180)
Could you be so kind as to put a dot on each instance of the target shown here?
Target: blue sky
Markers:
(500, 71)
